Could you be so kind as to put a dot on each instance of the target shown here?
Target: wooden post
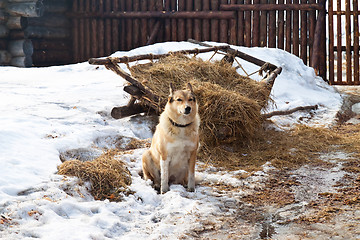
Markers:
(174, 25)
(312, 22)
(280, 24)
(348, 42)
(356, 43)
(256, 27)
(288, 28)
(296, 31)
(94, 35)
(214, 23)
(263, 26)
(197, 22)
(339, 45)
(272, 27)
(303, 34)
(108, 29)
(224, 27)
(181, 22)
(240, 25)
(189, 22)
(331, 43)
(206, 22)
(144, 36)
(115, 28)
(87, 29)
(247, 37)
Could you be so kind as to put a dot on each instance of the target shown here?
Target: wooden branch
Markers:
(269, 81)
(271, 7)
(159, 14)
(239, 54)
(148, 95)
(288, 112)
(104, 61)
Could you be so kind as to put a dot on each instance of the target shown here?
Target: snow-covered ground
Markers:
(46, 111)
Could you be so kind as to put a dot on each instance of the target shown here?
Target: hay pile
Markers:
(229, 104)
(108, 176)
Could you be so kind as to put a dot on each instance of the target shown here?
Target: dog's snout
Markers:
(187, 110)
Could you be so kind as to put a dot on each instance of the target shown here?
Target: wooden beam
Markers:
(270, 7)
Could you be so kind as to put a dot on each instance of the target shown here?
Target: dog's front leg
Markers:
(191, 173)
(164, 165)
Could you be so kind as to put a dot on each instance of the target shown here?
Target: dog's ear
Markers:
(172, 90)
(189, 87)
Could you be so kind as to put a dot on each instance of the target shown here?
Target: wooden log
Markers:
(3, 3)
(50, 44)
(46, 32)
(17, 34)
(356, 43)
(4, 31)
(270, 7)
(26, 9)
(5, 57)
(104, 61)
(127, 111)
(21, 61)
(316, 55)
(3, 44)
(17, 23)
(56, 6)
(3, 16)
(50, 20)
(21, 48)
(51, 56)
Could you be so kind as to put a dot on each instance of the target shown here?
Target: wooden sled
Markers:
(138, 91)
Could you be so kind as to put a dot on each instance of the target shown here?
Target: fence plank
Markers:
(288, 28)
(348, 42)
(240, 25)
(197, 22)
(81, 31)
(303, 34)
(331, 43)
(224, 27)
(214, 6)
(296, 30)
(263, 26)
(205, 22)
(356, 42)
(280, 43)
(272, 26)
(122, 35)
(312, 21)
(87, 29)
(173, 7)
(189, 22)
(181, 22)
(108, 29)
(75, 33)
(136, 25)
(256, 27)
(247, 37)
(339, 45)
(115, 28)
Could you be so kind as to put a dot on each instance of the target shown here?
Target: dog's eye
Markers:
(192, 99)
(179, 100)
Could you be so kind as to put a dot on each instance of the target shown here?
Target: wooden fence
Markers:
(101, 27)
(344, 42)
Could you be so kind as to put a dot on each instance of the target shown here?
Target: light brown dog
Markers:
(172, 155)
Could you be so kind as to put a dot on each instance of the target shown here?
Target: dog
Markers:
(172, 154)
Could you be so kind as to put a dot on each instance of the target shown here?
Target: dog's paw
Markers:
(191, 189)
(164, 190)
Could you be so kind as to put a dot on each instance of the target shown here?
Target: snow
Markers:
(46, 111)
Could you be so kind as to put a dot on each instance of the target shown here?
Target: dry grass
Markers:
(108, 176)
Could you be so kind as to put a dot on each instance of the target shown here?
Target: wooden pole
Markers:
(272, 27)
(348, 43)
(205, 22)
(256, 27)
(296, 30)
(303, 34)
(288, 28)
(280, 23)
(247, 37)
(263, 26)
(331, 43)
(270, 7)
(339, 45)
(356, 43)
(240, 26)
